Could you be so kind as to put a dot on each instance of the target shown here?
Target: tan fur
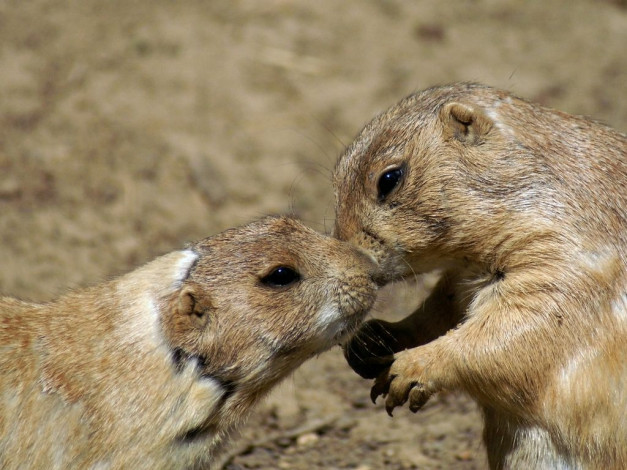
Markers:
(156, 369)
(525, 209)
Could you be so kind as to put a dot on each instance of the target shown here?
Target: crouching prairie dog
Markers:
(524, 208)
(156, 369)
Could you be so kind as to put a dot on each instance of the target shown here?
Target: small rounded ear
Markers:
(194, 305)
(465, 122)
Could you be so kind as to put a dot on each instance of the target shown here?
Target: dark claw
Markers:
(381, 387)
(374, 394)
(398, 397)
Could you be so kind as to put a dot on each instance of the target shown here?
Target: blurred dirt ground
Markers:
(129, 127)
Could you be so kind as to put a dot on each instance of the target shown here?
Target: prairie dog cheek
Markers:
(328, 321)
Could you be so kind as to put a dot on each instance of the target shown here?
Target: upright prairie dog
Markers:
(524, 209)
(156, 369)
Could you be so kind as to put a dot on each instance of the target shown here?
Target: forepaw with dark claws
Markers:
(402, 383)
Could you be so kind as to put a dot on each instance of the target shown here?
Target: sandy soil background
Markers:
(129, 127)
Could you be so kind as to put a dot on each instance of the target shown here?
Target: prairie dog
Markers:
(157, 368)
(524, 208)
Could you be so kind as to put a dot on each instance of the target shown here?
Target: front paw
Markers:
(404, 381)
(371, 350)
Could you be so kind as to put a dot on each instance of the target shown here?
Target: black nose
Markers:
(373, 268)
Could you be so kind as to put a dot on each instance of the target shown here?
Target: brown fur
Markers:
(525, 209)
(157, 368)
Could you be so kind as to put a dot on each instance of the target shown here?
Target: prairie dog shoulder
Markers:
(524, 208)
(155, 369)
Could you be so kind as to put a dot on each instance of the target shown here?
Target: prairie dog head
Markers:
(435, 180)
(261, 299)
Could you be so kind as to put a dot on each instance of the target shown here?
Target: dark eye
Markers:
(281, 277)
(387, 182)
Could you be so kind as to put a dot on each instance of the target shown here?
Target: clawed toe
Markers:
(418, 397)
(381, 386)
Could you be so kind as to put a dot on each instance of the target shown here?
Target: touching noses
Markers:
(366, 262)
(346, 223)
(365, 258)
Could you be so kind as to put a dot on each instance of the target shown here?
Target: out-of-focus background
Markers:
(128, 128)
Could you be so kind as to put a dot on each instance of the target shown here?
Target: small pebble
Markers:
(284, 442)
(464, 455)
(307, 439)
